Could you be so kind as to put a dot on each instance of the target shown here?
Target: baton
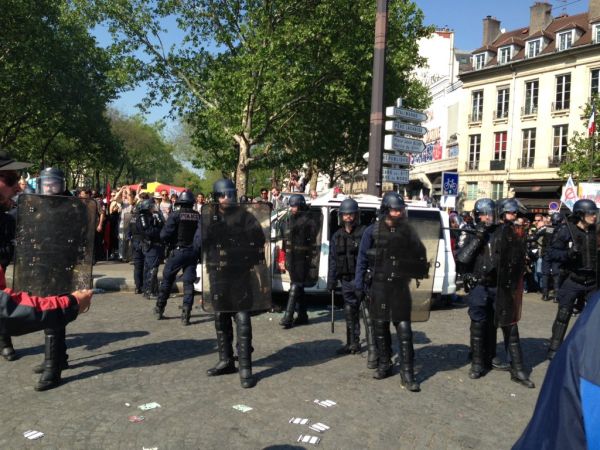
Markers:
(332, 312)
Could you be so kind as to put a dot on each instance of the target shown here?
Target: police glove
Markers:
(330, 287)
(480, 230)
(360, 295)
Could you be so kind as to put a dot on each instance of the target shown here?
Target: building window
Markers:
(479, 61)
(497, 190)
(505, 55)
(528, 154)
(594, 84)
(531, 96)
(596, 35)
(565, 40)
(502, 104)
(534, 48)
(471, 191)
(500, 146)
(563, 92)
(561, 142)
(477, 106)
(474, 151)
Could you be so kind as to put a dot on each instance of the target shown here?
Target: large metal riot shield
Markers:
(302, 246)
(511, 251)
(54, 246)
(236, 257)
(403, 260)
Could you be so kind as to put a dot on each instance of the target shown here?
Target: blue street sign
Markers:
(449, 183)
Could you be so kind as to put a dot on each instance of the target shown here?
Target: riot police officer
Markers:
(233, 244)
(550, 267)
(149, 224)
(392, 253)
(492, 261)
(575, 247)
(343, 251)
(299, 242)
(137, 254)
(179, 232)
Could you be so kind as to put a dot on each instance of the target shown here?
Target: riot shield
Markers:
(403, 260)
(511, 251)
(54, 244)
(302, 246)
(236, 257)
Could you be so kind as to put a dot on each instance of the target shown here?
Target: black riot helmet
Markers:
(348, 206)
(583, 207)
(557, 218)
(484, 206)
(186, 198)
(52, 182)
(391, 200)
(224, 188)
(510, 205)
(147, 205)
(297, 200)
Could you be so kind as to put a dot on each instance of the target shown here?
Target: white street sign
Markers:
(403, 127)
(403, 144)
(397, 176)
(405, 114)
(390, 158)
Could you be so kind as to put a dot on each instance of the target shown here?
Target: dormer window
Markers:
(504, 54)
(534, 48)
(479, 61)
(564, 40)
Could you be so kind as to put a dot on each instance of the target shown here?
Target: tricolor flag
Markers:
(592, 122)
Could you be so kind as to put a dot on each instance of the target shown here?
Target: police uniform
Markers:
(179, 231)
(137, 254)
(149, 225)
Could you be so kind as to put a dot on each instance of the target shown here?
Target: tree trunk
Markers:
(314, 177)
(241, 172)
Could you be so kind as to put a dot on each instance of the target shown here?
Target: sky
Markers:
(462, 16)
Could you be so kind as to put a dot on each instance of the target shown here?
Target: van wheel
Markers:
(436, 301)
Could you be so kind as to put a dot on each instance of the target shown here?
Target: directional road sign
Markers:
(403, 144)
(397, 176)
(406, 128)
(405, 114)
(401, 160)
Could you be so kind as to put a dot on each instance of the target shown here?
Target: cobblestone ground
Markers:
(120, 355)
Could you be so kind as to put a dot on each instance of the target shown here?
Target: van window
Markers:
(425, 214)
(367, 217)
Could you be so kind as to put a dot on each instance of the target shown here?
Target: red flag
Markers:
(107, 221)
(592, 122)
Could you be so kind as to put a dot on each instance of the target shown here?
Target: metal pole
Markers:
(591, 178)
(377, 114)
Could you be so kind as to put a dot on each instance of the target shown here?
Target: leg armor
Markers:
(224, 330)
(407, 356)
(50, 377)
(559, 329)
(7, 351)
(244, 348)
(478, 329)
(517, 373)
(287, 320)
(370, 335)
(383, 341)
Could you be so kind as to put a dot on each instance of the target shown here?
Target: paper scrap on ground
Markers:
(147, 406)
(307, 439)
(319, 427)
(32, 434)
(299, 421)
(242, 408)
(325, 403)
(136, 419)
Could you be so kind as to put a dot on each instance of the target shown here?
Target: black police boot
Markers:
(477, 349)
(186, 313)
(407, 356)
(224, 330)
(50, 377)
(138, 290)
(383, 340)
(287, 321)
(302, 316)
(352, 344)
(7, 351)
(244, 348)
(545, 296)
(372, 362)
(491, 360)
(559, 329)
(62, 344)
(517, 373)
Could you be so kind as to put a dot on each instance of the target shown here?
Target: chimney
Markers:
(540, 16)
(594, 12)
(491, 30)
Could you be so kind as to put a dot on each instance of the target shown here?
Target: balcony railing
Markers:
(556, 161)
(502, 114)
(471, 166)
(497, 164)
(560, 106)
(475, 118)
(525, 163)
(529, 110)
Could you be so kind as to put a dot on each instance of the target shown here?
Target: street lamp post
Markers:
(374, 180)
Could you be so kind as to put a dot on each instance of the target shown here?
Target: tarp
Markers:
(157, 186)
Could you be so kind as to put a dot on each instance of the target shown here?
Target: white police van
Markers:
(445, 268)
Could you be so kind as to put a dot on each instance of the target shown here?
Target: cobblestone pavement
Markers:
(120, 355)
